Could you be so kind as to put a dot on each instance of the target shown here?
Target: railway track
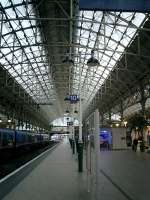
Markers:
(8, 166)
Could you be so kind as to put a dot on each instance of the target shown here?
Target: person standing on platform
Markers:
(135, 143)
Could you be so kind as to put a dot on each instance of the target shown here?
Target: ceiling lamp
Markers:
(75, 111)
(68, 61)
(67, 111)
(92, 61)
(67, 98)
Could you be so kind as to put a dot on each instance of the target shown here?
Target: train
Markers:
(12, 141)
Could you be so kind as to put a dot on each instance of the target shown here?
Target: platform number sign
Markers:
(73, 98)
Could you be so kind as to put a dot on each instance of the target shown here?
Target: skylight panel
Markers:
(23, 34)
(139, 17)
(116, 36)
(125, 41)
(93, 35)
(99, 70)
(109, 53)
(11, 13)
(127, 15)
(131, 32)
(106, 58)
(84, 41)
(120, 48)
(95, 27)
(6, 50)
(86, 25)
(88, 14)
(20, 10)
(112, 44)
(116, 56)
(84, 33)
(98, 15)
(5, 3)
(108, 31)
(116, 32)
(91, 44)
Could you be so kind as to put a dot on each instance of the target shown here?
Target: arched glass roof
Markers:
(24, 54)
(108, 34)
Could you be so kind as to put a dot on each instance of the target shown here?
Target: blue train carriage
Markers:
(24, 140)
(21, 138)
(7, 142)
(6, 138)
(45, 138)
(14, 142)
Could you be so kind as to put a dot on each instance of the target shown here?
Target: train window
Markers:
(20, 138)
(7, 139)
(4, 140)
(10, 139)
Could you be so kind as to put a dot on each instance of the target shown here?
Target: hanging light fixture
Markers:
(67, 97)
(75, 111)
(92, 61)
(68, 60)
(67, 111)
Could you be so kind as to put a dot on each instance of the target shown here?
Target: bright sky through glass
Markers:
(108, 33)
(22, 52)
(25, 57)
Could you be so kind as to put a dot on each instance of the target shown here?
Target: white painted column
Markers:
(97, 152)
(80, 101)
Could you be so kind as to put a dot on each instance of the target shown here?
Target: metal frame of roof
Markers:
(37, 35)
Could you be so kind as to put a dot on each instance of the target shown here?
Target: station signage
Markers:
(73, 98)
(115, 5)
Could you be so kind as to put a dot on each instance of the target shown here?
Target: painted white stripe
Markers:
(26, 164)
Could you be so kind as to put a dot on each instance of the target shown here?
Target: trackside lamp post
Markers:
(80, 142)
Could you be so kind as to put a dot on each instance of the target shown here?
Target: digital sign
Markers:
(73, 98)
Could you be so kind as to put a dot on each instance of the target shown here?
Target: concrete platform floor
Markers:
(128, 172)
(124, 175)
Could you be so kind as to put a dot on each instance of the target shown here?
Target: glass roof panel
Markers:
(25, 57)
(21, 52)
(108, 34)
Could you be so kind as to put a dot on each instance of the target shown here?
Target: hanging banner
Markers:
(115, 5)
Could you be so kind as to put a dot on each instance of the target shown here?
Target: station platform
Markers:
(124, 175)
(55, 177)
